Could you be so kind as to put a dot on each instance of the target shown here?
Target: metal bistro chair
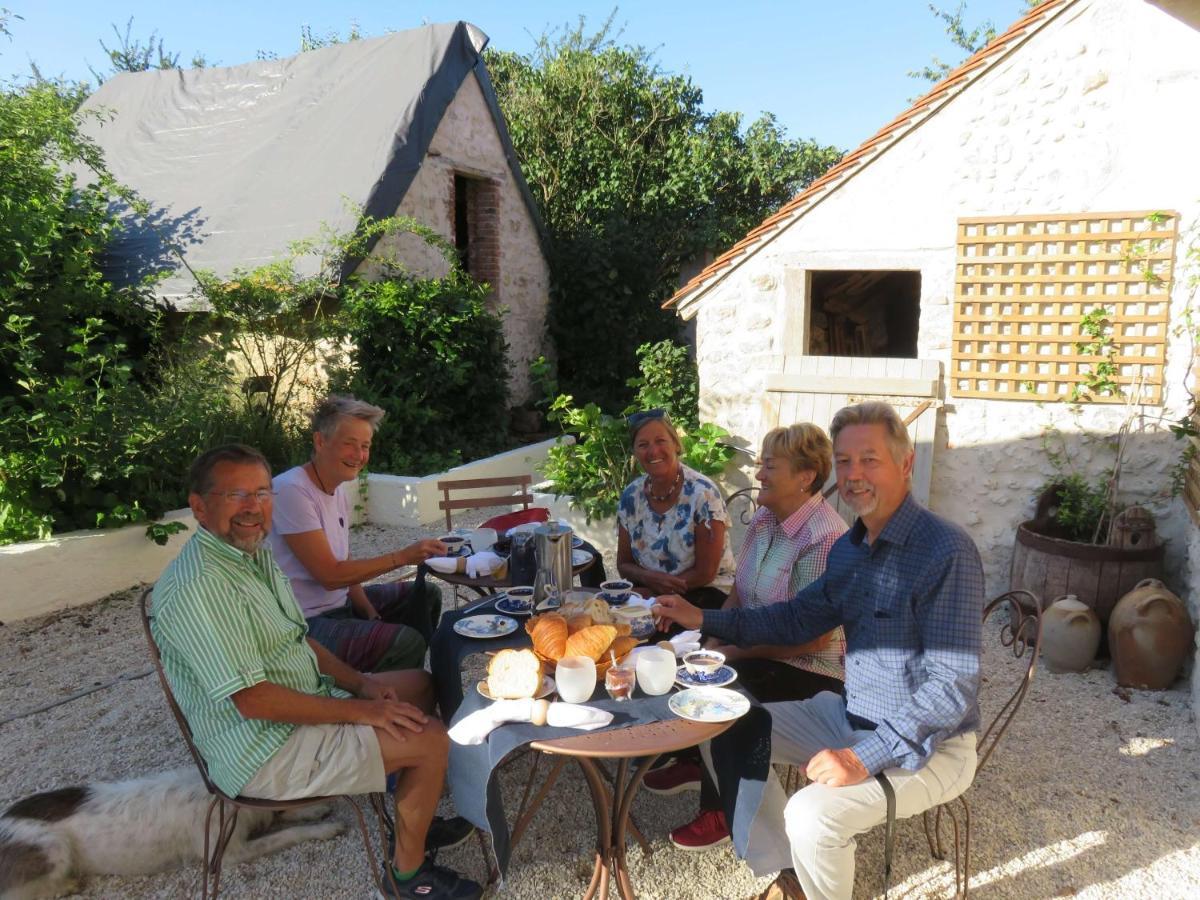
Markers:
(1022, 635)
(518, 493)
(226, 806)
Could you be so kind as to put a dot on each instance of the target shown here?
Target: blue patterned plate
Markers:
(485, 626)
(721, 677)
(709, 704)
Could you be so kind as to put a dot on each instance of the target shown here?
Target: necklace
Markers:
(317, 475)
(671, 490)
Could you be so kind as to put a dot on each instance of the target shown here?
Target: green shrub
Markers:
(597, 466)
(430, 353)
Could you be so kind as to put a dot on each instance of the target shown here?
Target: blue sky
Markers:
(833, 70)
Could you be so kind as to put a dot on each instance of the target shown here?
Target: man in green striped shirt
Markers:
(273, 713)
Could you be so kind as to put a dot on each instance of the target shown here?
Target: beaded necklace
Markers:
(671, 490)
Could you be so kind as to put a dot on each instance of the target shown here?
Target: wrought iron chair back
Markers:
(227, 806)
(1021, 634)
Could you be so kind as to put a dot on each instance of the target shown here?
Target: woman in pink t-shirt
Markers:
(375, 627)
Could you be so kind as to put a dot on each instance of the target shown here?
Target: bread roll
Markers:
(599, 611)
(550, 636)
(578, 623)
(593, 641)
(514, 675)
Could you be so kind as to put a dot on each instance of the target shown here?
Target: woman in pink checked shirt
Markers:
(784, 549)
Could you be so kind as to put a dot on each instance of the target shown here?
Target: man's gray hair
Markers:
(329, 411)
(875, 412)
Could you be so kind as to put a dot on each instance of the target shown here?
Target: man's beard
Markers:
(862, 504)
(248, 545)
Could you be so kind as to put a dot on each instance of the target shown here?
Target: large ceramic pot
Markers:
(1070, 635)
(1149, 635)
(1098, 574)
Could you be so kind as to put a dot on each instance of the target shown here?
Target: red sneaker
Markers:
(673, 779)
(706, 831)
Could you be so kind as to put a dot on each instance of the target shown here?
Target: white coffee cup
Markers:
(575, 677)
(655, 670)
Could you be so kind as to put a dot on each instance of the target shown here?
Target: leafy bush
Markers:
(599, 464)
(1078, 509)
(431, 354)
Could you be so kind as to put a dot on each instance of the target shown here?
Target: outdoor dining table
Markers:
(642, 729)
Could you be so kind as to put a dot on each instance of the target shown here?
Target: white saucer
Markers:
(709, 704)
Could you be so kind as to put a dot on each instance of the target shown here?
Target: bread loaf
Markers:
(578, 623)
(514, 675)
(599, 611)
(592, 641)
(549, 634)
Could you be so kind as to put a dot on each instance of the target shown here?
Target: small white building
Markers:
(238, 163)
(951, 259)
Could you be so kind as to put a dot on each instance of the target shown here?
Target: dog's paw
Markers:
(327, 830)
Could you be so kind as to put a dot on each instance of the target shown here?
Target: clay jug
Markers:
(1149, 634)
(1070, 635)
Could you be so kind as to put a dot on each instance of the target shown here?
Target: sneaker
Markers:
(785, 887)
(682, 776)
(706, 831)
(446, 833)
(432, 882)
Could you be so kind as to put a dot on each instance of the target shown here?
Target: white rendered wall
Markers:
(1060, 127)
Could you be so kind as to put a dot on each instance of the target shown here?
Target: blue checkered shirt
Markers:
(912, 607)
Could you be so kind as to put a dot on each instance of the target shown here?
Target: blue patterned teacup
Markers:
(703, 665)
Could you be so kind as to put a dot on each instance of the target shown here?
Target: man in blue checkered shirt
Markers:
(908, 588)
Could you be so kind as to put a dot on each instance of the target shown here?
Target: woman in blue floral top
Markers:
(673, 529)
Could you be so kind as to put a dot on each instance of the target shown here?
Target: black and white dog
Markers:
(49, 840)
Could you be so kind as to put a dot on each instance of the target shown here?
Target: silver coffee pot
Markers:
(552, 548)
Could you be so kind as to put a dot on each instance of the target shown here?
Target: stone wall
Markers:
(506, 245)
(1095, 113)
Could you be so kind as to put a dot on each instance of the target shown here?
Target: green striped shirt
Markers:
(225, 621)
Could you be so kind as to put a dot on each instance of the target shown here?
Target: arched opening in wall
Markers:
(864, 313)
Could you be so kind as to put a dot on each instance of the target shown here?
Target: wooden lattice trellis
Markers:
(1024, 283)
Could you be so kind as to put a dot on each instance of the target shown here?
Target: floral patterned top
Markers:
(778, 558)
(666, 542)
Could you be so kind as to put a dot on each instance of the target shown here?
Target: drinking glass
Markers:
(576, 678)
(618, 681)
(655, 670)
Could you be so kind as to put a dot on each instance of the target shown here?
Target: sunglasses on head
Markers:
(638, 419)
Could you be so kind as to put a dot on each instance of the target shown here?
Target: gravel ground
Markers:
(1094, 793)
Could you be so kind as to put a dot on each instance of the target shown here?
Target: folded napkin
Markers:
(475, 728)
(475, 565)
(485, 563)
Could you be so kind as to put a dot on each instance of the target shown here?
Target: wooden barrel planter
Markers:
(1098, 574)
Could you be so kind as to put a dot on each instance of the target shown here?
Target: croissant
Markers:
(591, 641)
(549, 636)
(622, 644)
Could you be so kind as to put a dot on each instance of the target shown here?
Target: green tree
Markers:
(634, 180)
(129, 54)
(971, 40)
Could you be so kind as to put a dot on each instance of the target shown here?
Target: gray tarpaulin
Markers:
(237, 163)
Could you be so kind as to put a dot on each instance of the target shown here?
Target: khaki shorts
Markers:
(321, 761)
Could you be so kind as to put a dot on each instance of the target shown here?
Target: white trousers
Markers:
(815, 830)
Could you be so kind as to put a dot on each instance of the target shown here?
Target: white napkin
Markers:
(475, 728)
(447, 565)
(685, 642)
(484, 563)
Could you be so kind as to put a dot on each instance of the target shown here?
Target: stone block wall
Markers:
(506, 249)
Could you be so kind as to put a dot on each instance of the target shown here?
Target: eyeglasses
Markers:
(638, 419)
(239, 497)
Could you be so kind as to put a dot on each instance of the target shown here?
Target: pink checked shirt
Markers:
(778, 559)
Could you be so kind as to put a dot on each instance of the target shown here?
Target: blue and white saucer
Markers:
(721, 677)
(485, 626)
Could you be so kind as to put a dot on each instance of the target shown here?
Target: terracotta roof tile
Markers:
(945, 89)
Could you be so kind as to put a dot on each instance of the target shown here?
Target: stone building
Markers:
(949, 264)
(238, 163)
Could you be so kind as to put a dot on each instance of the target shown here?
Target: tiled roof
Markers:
(942, 93)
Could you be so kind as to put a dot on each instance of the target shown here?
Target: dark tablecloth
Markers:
(476, 792)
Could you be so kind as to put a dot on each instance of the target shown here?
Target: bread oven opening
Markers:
(864, 313)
